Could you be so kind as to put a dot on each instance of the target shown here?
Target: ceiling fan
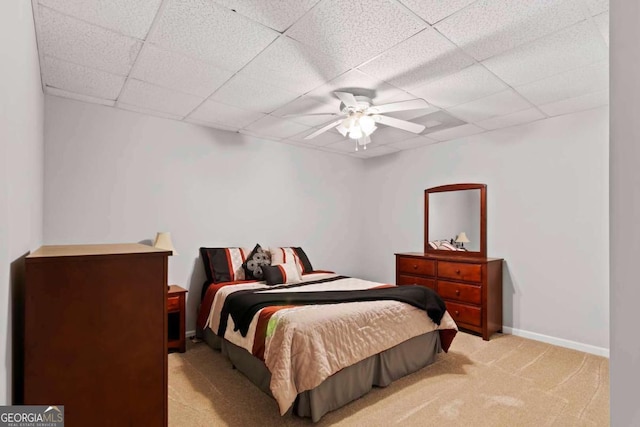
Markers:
(359, 117)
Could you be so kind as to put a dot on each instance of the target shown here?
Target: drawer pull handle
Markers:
(458, 292)
(458, 271)
(457, 313)
(415, 266)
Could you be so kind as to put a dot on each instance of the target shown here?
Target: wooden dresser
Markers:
(95, 333)
(471, 287)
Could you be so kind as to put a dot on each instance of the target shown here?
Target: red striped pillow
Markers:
(281, 255)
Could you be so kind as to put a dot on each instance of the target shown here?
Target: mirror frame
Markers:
(483, 220)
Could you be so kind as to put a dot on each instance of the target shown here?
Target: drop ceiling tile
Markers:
(298, 144)
(602, 22)
(226, 115)
(131, 18)
(322, 140)
(259, 136)
(211, 32)
(345, 145)
(466, 85)
(387, 135)
(147, 111)
(489, 27)
(211, 125)
(374, 151)
(156, 98)
(78, 97)
(353, 32)
(178, 72)
(307, 105)
(424, 57)
(571, 48)
(278, 15)
(571, 105)
(275, 127)
(79, 79)
(416, 142)
(512, 119)
(359, 83)
(438, 121)
(252, 94)
(570, 84)
(433, 11)
(597, 6)
(291, 65)
(494, 105)
(81, 43)
(456, 132)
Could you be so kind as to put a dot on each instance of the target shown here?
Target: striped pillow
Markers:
(281, 273)
(224, 264)
(281, 255)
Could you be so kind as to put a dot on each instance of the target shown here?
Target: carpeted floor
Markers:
(508, 381)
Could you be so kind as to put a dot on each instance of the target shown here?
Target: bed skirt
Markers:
(345, 385)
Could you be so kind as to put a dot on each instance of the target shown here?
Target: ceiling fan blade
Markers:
(347, 98)
(413, 104)
(323, 129)
(400, 124)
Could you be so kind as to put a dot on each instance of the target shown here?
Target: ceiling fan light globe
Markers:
(347, 123)
(367, 124)
(355, 133)
(343, 130)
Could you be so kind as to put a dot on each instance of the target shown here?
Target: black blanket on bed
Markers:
(243, 306)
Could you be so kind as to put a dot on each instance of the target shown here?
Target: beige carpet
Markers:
(508, 381)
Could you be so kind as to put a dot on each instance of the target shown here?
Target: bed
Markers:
(311, 353)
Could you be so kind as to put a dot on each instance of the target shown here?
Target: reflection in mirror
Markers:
(452, 213)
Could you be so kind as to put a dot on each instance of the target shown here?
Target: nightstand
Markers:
(176, 318)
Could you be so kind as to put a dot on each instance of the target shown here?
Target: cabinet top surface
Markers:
(103, 249)
(176, 290)
(447, 257)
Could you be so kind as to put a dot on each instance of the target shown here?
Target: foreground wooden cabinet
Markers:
(470, 287)
(95, 333)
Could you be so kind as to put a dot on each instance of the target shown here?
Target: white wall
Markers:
(547, 195)
(118, 176)
(625, 212)
(21, 149)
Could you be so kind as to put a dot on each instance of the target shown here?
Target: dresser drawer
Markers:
(424, 267)
(465, 313)
(413, 280)
(460, 292)
(460, 271)
(173, 304)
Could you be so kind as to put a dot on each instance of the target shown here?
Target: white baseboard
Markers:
(587, 348)
(189, 334)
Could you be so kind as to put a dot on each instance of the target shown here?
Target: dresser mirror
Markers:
(455, 220)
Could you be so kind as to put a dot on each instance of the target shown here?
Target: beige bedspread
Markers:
(307, 344)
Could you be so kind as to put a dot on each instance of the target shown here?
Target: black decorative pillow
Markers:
(281, 273)
(223, 264)
(255, 262)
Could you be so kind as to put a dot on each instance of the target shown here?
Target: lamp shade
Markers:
(163, 241)
(462, 238)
